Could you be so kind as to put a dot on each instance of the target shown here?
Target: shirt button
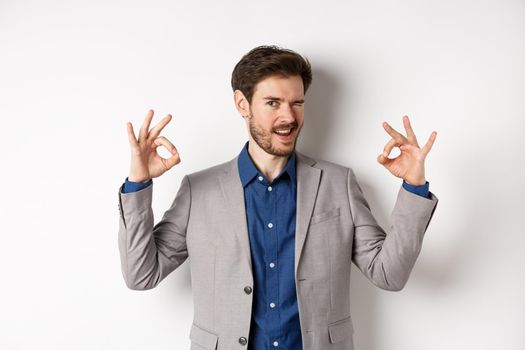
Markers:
(272, 265)
(276, 343)
(272, 305)
(260, 178)
(243, 341)
(247, 290)
(270, 188)
(270, 225)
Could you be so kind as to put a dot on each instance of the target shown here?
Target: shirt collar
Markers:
(247, 169)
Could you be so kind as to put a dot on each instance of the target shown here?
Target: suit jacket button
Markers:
(243, 341)
(248, 290)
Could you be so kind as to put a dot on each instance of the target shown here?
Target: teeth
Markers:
(283, 132)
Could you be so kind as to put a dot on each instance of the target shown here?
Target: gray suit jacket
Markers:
(207, 224)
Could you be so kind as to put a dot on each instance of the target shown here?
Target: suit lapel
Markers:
(308, 179)
(233, 193)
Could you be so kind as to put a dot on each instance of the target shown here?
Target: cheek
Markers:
(299, 118)
(263, 118)
(265, 115)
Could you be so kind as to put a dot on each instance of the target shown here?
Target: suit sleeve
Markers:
(387, 259)
(131, 186)
(148, 253)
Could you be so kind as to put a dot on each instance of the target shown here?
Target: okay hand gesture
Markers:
(410, 164)
(145, 161)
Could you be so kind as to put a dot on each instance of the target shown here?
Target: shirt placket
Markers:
(273, 230)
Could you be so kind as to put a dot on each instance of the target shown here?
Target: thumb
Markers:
(381, 159)
(173, 160)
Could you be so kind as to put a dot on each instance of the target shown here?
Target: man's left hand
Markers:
(410, 164)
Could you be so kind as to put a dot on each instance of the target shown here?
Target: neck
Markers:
(268, 164)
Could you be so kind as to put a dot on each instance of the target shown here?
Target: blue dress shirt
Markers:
(270, 216)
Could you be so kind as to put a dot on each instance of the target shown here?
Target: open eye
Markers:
(272, 103)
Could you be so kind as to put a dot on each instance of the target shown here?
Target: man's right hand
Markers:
(145, 161)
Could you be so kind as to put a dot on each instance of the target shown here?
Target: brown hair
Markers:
(264, 61)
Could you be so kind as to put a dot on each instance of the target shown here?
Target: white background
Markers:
(73, 73)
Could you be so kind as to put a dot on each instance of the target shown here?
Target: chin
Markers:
(280, 150)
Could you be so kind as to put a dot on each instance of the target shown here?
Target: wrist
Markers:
(137, 179)
(416, 182)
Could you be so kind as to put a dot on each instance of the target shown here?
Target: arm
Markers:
(387, 259)
(149, 253)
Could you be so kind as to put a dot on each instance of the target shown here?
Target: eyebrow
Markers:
(273, 98)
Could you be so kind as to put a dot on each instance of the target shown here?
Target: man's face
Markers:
(276, 114)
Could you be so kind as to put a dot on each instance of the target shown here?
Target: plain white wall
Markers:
(73, 73)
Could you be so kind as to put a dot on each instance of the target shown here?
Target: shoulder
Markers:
(328, 168)
(212, 173)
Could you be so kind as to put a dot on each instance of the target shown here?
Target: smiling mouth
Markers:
(284, 132)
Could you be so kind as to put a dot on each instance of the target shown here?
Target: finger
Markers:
(396, 135)
(143, 134)
(162, 141)
(389, 146)
(131, 135)
(428, 146)
(410, 133)
(158, 128)
(384, 160)
(175, 158)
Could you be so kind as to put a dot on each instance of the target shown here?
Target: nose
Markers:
(286, 113)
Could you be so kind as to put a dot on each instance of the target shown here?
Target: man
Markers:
(271, 234)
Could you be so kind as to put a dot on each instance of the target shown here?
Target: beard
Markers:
(265, 138)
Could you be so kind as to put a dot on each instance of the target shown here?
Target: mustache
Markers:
(286, 126)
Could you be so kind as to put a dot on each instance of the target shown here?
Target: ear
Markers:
(241, 103)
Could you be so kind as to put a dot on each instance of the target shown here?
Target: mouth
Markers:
(285, 134)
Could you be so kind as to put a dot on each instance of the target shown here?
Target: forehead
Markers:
(287, 87)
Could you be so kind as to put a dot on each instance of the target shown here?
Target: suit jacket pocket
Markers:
(203, 338)
(325, 215)
(340, 329)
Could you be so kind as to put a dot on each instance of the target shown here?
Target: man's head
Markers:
(269, 85)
